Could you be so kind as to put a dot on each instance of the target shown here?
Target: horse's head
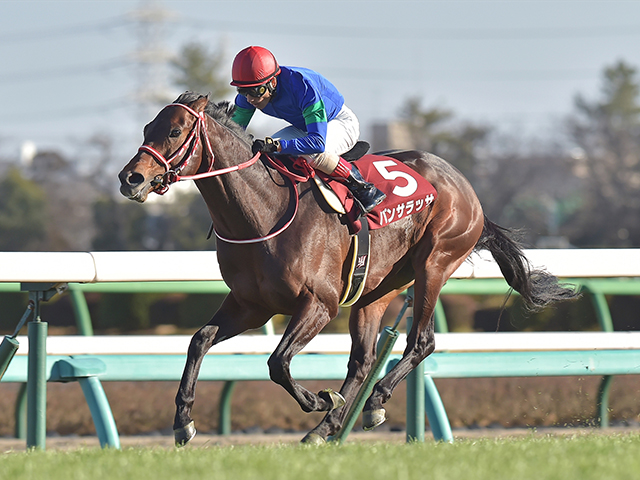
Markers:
(172, 146)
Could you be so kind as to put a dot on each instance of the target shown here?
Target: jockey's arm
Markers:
(242, 116)
(315, 119)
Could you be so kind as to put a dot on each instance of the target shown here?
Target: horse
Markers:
(282, 252)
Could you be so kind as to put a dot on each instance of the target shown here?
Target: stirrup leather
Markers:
(359, 267)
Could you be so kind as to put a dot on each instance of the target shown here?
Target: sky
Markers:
(72, 69)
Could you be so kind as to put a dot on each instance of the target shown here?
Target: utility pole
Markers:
(151, 58)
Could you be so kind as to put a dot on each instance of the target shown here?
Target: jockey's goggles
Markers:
(257, 91)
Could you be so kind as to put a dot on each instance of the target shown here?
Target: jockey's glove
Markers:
(268, 145)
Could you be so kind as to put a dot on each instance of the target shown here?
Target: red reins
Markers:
(172, 174)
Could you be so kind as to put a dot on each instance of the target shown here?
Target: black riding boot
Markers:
(365, 193)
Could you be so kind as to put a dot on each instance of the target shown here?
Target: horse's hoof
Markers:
(184, 434)
(373, 418)
(313, 439)
(332, 397)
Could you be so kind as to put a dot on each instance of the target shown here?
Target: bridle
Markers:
(188, 149)
(191, 143)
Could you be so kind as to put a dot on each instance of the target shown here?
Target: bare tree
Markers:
(438, 131)
(606, 133)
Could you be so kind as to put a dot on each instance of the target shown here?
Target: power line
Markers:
(66, 31)
(70, 112)
(469, 75)
(369, 32)
(65, 71)
(431, 33)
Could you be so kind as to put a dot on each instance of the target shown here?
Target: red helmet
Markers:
(254, 66)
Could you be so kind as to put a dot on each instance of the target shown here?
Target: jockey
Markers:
(322, 126)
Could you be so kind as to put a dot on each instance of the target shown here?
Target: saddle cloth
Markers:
(407, 191)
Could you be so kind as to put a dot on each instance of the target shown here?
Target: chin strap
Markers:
(172, 174)
(198, 132)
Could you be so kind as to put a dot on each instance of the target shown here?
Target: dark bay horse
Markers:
(301, 270)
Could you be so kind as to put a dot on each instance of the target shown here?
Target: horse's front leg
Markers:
(229, 321)
(305, 324)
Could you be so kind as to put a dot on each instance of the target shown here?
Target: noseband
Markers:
(192, 142)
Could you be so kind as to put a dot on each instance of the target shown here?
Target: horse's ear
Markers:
(200, 104)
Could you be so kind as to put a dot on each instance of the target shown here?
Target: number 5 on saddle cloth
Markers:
(407, 193)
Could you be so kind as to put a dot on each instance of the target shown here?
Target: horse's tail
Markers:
(537, 287)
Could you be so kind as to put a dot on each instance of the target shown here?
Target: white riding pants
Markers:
(342, 134)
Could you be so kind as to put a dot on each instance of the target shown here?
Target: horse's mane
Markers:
(221, 112)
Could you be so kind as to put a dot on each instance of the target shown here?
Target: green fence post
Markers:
(100, 412)
(599, 301)
(224, 417)
(438, 419)
(602, 310)
(440, 318)
(415, 394)
(386, 342)
(81, 311)
(37, 384)
(603, 401)
(20, 413)
(415, 404)
(37, 363)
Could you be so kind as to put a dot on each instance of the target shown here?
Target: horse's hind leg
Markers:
(430, 279)
(229, 320)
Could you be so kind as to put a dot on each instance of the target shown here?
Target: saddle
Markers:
(358, 151)
(407, 192)
(333, 201)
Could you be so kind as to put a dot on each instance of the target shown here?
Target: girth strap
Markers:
(359, 267)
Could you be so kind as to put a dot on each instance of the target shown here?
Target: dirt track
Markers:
(263, 413)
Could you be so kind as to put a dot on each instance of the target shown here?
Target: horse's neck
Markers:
(246, 203)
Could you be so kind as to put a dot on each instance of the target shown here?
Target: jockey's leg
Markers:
(342, 134)
(365, 193)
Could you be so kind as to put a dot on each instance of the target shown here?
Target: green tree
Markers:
(22, 213)
(178, 225)
(119, 225)
(606, 133)
(69, 196)
(197, 68)
(532, 189)
(187, 223)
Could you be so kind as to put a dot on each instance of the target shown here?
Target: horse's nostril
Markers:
(134, 179)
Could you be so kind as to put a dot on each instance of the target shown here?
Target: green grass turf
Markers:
(581, 457)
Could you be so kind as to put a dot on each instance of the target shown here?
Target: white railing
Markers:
(91, 267)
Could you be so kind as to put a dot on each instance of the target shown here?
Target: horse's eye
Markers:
(175, 132)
